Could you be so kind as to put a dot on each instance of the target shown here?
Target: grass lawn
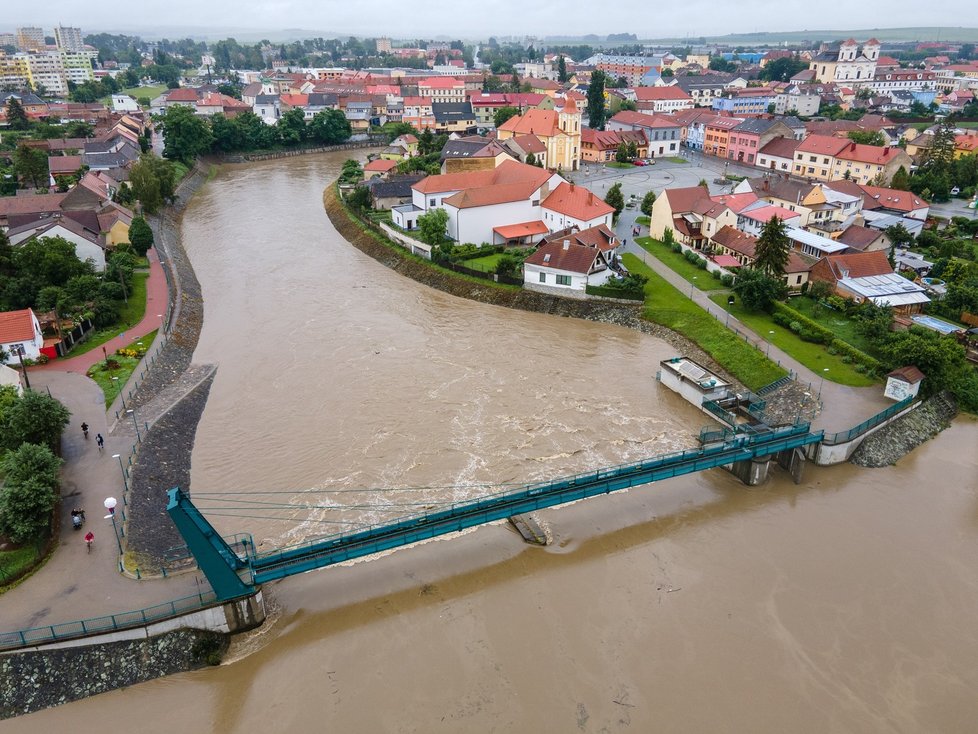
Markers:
(675, 159)
(667, 306)
(616, 164)
(485, 264)
(137, 92)
(643, 220)
(683, 267)
(179, 171)
(842, 326)
(813, 356)
(15, 562)
(119, 366)
(130, 315)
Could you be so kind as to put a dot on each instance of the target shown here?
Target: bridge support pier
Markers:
(793, 461)
(751, 471)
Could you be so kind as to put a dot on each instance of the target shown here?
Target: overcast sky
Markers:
(500, 17)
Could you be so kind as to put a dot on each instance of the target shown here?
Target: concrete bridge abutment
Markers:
(751, 472)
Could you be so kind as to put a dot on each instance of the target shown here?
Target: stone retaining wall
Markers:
(894, 441)
(31, 681)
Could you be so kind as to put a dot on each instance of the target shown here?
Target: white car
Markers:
(955, 191)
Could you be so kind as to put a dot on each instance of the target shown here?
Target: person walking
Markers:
(89, 539)
(100, 441)
(84, 427)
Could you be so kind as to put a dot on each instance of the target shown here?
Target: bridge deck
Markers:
(347, 546)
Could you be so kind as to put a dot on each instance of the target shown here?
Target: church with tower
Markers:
(848, 62)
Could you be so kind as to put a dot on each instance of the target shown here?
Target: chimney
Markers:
(590, 198)
(852, 146)
(572, 187)
(566, 244)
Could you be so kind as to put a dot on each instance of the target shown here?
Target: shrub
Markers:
(839, 304)
(832, 350)
(860, 368)
(781, 319)
(676, 247)
(727, 279)
(795, 326)
(715, 274)
(701, 263)
(846, 359)
(811, 336)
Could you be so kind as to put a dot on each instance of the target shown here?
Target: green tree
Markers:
(292, 127)
(647, 203)
(621, 154)
(153, 181)
(25, 510)
(718, 63)
(31, 165)
(615, 199)
(758, 291)
(867, 137)
(394, 130)
(668, 73)
(35, 418)
(514, 83)
(360, 199)
(509, 266)
(227, 135)
(330, 127)
(901, 179)
(781, 70)
(561, 69)
(29, 461)
(140, 236)
(772, 249)
(595, 101)
(79, 129)
(16, 115)
(185, 135)
(500, 116)
(703, 183)
(432, 226)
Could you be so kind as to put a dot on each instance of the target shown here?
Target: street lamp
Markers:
(18, 349)
(110, 504)
(691, 284)
(822, 380)
(135, 424)
(118, 391)
(769, 335)
(125, 482)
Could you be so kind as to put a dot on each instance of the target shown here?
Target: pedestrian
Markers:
(89, 539)
(84, 427)
(100, 441)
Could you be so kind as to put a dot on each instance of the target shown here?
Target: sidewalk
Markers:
(74, 584)
(844, 406)
(157, 298)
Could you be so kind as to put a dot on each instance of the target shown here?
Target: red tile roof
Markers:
(64, 163)
(33, 204)
(181, 94)
(16, 326)
(781, 147)
(876, 197)
(628, 117)
(878, 155)
(652, 94)
(856, 265)
(683, 200)
(858, 237)
(523, 229)
(822, 145)
(577, 202)
(766, 213)
(442, 82)
(509, 172)
(574, 258)
(597, 236)
(544, 123)
(380, 165)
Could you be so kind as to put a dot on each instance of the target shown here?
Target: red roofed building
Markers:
(827, 158)
(663, 132)
(442, 89)
(378, 167)
(575, 206)
(602, 145)
(662, 99)
(566, 265)
(560, 131)
(20, 335)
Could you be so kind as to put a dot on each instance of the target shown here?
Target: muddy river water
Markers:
(846, 604)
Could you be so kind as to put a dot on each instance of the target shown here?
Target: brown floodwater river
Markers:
(848, 603)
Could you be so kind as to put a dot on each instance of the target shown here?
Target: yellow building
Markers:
(559, 130)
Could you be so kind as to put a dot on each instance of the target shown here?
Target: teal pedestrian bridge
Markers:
(237, 570)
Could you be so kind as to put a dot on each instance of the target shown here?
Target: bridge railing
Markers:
(109, 623)
(741, 443)
(843, 436)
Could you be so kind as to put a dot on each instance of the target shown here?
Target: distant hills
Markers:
(923, 33)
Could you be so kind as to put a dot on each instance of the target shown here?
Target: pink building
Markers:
(747, 139)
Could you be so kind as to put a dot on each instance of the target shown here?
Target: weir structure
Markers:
(233, 574)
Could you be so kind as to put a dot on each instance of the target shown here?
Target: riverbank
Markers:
(422, 271)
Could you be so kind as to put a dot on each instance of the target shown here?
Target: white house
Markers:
(20, 335)
(575, 206)
(89, 245)
(124, 103)
(565, 265)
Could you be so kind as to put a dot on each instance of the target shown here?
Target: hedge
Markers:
(811, 328)
(627, 294)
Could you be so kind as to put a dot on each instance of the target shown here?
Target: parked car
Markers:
(955, 191)
(639, 162)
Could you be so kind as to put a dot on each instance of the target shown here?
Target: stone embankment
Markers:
(891, 443)
(172, 395)
(411, 266)
(32, 681)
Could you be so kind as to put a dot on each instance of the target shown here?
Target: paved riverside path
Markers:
(157, 298)
(74, 584)
(843, 406)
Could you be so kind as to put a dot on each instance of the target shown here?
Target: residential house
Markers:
(692, 129)
(662, 99)
(418, 113)
(716, 137)
(393, 191)
(566, 266)
(867, 276)
(663, 132)
(267, 107)
(442, 89)
(34, 106)
(797, 99)
(453, 117)
(570, 205)
(89, 243)
(521, 146)
(20, 335)
(62, 168)
(827, 158)
(35, 206)
(378, 167)
(602, 145)
(472, 153)
(704, 88)
(778, 155)
(752, 219)
(821, 208)
(864, 239)
(747, 101)
(599, 236)
(747, 138)
(560, 131)
(893, 201)
(401, 148)
(214, 103)
(731, 242)
(692, 215)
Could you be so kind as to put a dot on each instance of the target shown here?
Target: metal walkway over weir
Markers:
(233, 573)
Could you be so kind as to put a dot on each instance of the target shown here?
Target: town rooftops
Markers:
(523, 229)
(16, 326)
(768, 212)
(31, 204)
(508, 172)
(655, 94)
(756, 125)
(598, 236)
(780, 147)
(880, 198)
(544, 123)
(181, 94)
(858, 238)
(61, 164)
(683, 199)
(568, 256)
(858, 265)
(822, 145)
(639, 119)
(380, 165)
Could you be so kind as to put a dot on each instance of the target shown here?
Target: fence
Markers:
(843, 436)
(767, 389)
(110, 623)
